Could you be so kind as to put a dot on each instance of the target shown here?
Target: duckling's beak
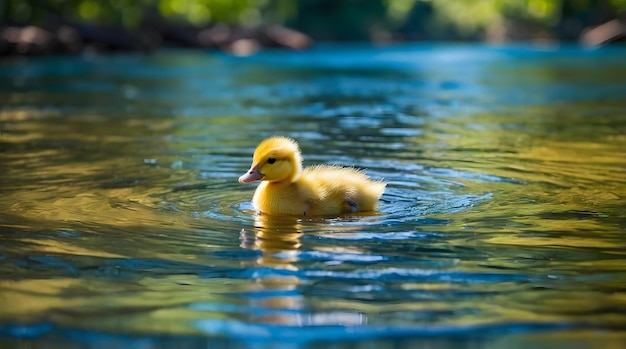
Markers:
(252, 175)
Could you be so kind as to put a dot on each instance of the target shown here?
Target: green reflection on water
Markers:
(121, 211)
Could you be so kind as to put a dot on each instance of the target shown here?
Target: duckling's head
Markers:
(275, 159)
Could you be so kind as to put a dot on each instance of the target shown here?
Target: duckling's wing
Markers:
(345, 185)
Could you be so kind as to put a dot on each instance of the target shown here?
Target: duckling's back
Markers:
(341, 189)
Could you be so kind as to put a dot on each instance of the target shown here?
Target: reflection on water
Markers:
(503, 216)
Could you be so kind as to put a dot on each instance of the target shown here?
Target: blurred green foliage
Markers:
(326, 19)
(479, 14)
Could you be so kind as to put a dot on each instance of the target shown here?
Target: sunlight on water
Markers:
(503, 214)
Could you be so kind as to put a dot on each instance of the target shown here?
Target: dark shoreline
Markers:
(78, 38)
(75, 38)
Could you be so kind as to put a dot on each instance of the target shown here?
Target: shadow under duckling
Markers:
(320, 190)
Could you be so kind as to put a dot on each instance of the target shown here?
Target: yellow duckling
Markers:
(319, 190)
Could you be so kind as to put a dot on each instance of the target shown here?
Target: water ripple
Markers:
(503, 212)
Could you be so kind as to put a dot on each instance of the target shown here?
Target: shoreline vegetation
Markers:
(77, 38)
(243, 27)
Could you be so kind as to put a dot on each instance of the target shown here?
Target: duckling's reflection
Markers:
(278, 239)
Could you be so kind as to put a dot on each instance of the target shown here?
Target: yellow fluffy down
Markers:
(320, 190)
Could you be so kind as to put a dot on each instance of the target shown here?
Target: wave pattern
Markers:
(503, 213)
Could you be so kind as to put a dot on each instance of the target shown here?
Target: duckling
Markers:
(320, 190)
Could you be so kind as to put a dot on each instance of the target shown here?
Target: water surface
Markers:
(503, 222)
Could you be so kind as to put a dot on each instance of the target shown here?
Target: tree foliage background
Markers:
(337, 19)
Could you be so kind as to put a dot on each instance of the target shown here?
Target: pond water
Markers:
(503, 223)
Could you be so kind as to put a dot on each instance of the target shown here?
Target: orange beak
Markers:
(252, 175)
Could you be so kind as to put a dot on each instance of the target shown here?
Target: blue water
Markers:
(122, 222)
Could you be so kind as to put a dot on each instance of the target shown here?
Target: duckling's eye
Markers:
(271, 160)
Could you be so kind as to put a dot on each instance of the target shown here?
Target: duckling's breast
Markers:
(280, 199)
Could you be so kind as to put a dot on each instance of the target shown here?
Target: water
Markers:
(122, 222)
